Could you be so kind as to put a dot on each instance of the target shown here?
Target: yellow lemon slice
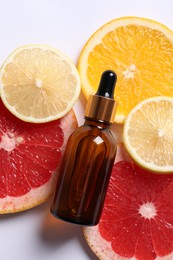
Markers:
(140, 51)
(39, 83)
(148, 134)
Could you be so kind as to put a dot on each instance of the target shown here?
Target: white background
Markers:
(66, 25)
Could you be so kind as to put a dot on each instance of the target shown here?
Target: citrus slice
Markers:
(39, 84)
(148, 134)
(139, 50)
(137, 220)
(29, 156)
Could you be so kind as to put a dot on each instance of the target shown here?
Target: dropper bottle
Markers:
(88, 160)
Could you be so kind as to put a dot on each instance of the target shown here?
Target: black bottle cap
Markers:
(107, 84)
(102, 105)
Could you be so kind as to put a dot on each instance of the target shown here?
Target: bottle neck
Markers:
(100, 108)
(96, 123)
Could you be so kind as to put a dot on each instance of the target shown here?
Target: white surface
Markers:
(66, 25)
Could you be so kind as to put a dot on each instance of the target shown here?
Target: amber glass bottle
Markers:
(88, 160)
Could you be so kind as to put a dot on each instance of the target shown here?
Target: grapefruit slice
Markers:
(29, 157)
(137, 218)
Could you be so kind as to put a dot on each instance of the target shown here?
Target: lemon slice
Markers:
(148, 134)
(139, 50)
(39, 83)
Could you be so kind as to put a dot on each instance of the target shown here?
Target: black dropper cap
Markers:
(107, 84)
(102, 106)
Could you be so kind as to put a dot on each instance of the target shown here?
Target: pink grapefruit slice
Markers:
(29, 157)
(137, 218)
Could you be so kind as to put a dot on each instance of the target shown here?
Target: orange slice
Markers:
(140, 51)
(39, 83)
(148, 134)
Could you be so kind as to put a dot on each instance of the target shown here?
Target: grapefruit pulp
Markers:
(137, 218)
(29, 156)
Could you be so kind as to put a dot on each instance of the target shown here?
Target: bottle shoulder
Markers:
(86, 130)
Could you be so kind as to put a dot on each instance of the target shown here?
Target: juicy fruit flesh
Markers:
(157, 131)
(29, 154)
(128, 50)
(138, 220)
(129, 54)
(39, 83)
(149, 133)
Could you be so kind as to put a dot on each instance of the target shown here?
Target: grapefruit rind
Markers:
(98, 245)
(50, 118)
(32, 199)
(102, 248)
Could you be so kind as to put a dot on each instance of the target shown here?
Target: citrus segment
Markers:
(137, 220)
(148, 134)
(140, 52)
(29, 156)
(39, 83)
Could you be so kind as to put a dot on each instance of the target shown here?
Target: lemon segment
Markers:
(148, 134)
(39, 83)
